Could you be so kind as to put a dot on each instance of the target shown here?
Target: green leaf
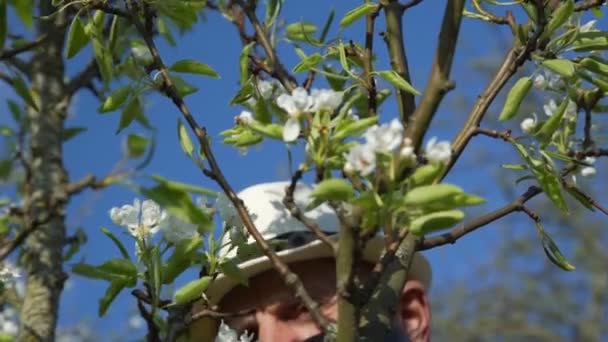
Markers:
(552, 251)
(518, 167)
(119, 245)
(192, 290)
(333, 189)
(230, 269)
(273, 8)
(113, 270)
(131, 112)
(559, 17)
(395, 79)
(111, 294)
(184, 139)
(181, 259)
(183, 88)
(191, 66)
(590, 41)
(547, 179)
(105, 62)
(308, 63)
(164, 31)
(69, 133)
(595, 65)
(23, 91)
(77, 38)
(78, 240)
(354, 14)
(112, 37)
(545, 132)
(562, 67)
(330, 19)
(136, 145)
(425, 174)
(115, 100)
(515, 98)
(16, 111)
(428, 194)
(3, 23)
(353, 128)
(184, 187)
(244, 94)
(273, 131)
(433, 222)
(25, 11)
(244, 62)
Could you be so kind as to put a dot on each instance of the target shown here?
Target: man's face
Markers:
(275, 314)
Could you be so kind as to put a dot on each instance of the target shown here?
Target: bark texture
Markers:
(45, 190)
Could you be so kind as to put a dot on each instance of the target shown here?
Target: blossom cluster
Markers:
(300, 102)
(9, 272)
(387, 138)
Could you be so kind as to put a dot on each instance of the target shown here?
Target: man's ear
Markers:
(414, 313)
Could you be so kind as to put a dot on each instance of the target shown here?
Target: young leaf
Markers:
(111, 293)
(562, 67)
(425, 175)
(273, 131)
(119, 245)
(244, 62)
(433, 222)
(354, 14)
(117, 98)
(184, 187)
(558, 18)
(181, 259)
(428, 194)
(69, 133)
(353, 128)
(77, 38)
(545, 132)
(515, 98)
(333, 189)
(552, 251)
(131, 112)
(308, 63)
(192, 290)
(395, 79)
(183, 88)
(178, 202)
(595, 65)
(136, 145)
(23, 91)
(184, 139)
(193, 67)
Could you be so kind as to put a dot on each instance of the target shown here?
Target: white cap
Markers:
(265, 205)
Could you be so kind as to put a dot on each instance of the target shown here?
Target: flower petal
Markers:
(291, 131)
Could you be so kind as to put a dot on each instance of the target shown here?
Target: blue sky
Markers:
(215, 42)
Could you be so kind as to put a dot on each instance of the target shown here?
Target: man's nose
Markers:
(272, 329)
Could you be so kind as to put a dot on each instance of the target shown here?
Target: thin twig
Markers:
(368, 66)
(453, 235)
(589, 4)
(393, 11)
(84, 78)
(25, 47)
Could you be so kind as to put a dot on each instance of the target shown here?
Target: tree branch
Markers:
(393, 12)
(453, 235)
(368, 67)
(84, 78)
(439, 83)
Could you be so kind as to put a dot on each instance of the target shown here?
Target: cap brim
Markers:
(420, 270)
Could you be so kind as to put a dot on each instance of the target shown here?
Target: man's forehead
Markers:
(318, 277)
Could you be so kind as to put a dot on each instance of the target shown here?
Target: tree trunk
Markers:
(45, 190)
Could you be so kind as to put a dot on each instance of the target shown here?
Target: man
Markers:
(267, 308)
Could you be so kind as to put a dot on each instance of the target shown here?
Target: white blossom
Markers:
(141, 53)
(438, 151)
(226, 334)
(384, 138)
(141, 219)
(295, 104)
(265, 88)
(245, 118)
(548, 80)
(175, 229)
(528, 124)
(588, 27)
(550, 108)
(351, 115)
(9, 272)
(360, 158)
(327, 99)
(588, 171)
(407, 150)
